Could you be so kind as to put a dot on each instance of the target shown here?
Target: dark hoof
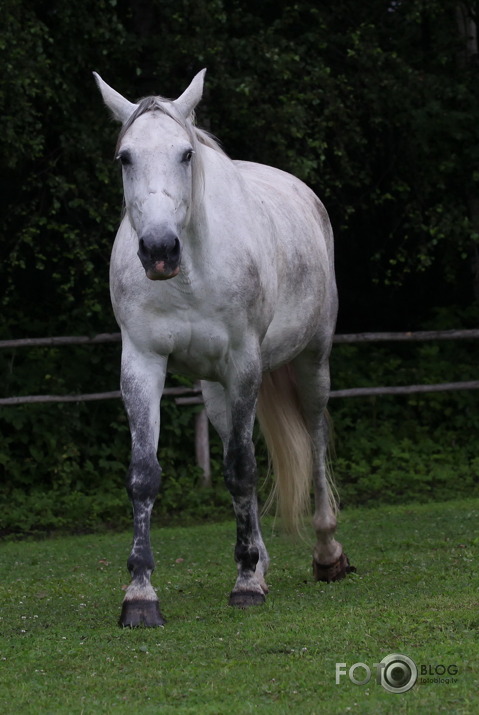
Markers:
(333, 572)
(141, 613)
(245, 599)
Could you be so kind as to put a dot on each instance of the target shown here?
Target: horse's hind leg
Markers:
(330, 563)
(233, 418)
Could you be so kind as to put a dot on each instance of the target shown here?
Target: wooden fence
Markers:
(192, 395)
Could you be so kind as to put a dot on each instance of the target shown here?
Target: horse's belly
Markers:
(280, 347)
(291, 331)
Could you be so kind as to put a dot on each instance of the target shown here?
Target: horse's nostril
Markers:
(175, 251)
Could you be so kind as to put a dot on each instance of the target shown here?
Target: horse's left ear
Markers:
(186, 103)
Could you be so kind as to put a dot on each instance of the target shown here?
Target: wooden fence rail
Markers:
(417, 336)
(192, 395)
(53, 342)
(91, 397)
(187, 396)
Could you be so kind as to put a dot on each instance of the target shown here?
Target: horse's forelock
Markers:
(148, 104)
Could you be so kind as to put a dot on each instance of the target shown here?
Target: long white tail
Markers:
(290, 448)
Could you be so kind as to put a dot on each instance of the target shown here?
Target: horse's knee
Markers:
(143, 479)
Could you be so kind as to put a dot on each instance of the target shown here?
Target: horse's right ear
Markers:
(120, 107)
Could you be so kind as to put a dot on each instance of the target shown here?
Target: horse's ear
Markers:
(186, 103)
(120, 107)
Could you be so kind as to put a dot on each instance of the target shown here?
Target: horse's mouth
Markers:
(160, 271)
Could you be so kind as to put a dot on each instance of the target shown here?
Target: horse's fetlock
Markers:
(324, 524)
(141, 564)
(247, 557)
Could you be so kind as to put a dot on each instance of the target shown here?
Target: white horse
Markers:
(235, 286)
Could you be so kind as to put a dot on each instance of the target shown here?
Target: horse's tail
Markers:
(290, 448)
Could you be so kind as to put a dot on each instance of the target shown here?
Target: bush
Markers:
(417, 447)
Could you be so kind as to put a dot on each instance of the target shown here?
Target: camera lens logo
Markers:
(397, 673)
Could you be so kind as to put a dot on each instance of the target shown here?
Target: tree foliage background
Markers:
(375, 105)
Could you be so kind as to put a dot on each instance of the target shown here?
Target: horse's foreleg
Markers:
(330, 563)
(235, 423)
(142, 382)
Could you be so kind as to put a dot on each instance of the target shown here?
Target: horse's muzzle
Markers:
(160, 255)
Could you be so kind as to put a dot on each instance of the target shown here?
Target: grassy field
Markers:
(416, 593)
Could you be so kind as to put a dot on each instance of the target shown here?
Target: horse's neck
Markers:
(214, 206)
(219, 214)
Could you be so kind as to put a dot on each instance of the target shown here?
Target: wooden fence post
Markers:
(202, 446)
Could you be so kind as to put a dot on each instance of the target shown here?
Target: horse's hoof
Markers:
(333, 572)
(245, 599)
(141, 613)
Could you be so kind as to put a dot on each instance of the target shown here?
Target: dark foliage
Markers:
(375, 105)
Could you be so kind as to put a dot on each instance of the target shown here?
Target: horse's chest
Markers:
(198, 349)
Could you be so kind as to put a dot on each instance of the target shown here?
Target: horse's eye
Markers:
(187, 156)
(124, 157)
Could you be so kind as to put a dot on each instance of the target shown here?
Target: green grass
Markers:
(416, 593)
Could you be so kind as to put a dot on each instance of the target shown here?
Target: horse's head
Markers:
(156, 149)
